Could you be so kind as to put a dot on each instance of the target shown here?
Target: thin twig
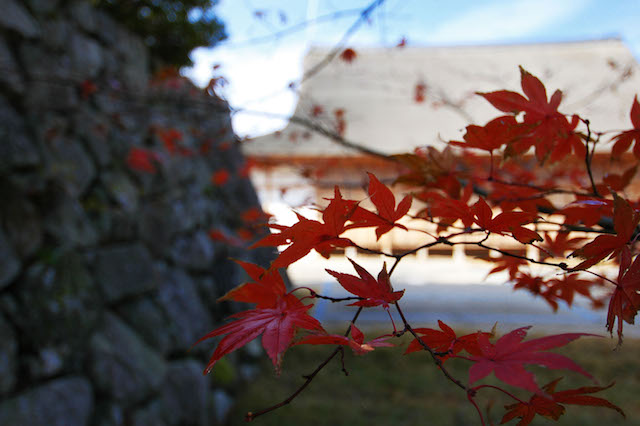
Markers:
(435, 355)
(364, 15)
(250, 416)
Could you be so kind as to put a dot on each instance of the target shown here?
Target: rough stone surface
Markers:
(86, 57)
(69, 164)
(22, 222)
(93, 130)
(57, 301)
(122, 190)
(153, 413)
(10, 75)
(67, 222)
(83, 15)
(56, 33)
(195, 251)
(122, 365)
(16, 147)
(188, 317)
(223, 403)
(108, 275)
(9, 263)
(124, 271)
(15, 17)
(63, 402)
(43, 6)
(150, 321)
(184, 394)
(8, 353)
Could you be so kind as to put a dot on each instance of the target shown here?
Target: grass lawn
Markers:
(387, 388)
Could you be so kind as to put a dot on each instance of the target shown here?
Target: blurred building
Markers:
(392, 100)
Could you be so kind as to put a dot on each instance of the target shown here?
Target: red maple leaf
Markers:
(624, 140)
(171, 139)
(225, 237)
(496, 133)
(536, 286)
(567, 286)
(348, 55)
(549, 405)
(505, 222)
(558, 246)
(341, 124)
(444, 340)
(317, 110)
(276, 324)
(385, 202)
(430, 168)
(550, 132)
(374, 292)
(87, 88)
(265, 289)
(507, 357)
(504, 262)
(307, 234)
(625, 220)
(220, 177)
(617, 182)
(587, 211)
(254, 215)
(355, 342)
(420, 92)
(142, 160)
(625, 300)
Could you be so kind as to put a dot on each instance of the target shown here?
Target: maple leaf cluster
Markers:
(532, 187)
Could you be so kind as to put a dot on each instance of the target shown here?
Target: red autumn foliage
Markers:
(624, 140)
(420, 92)
(348, 55)
(142, 160)
(220, 177)
(505, 194)
(625, 220)
(355, 342)
(444, 341)
(372, 291)
(507, 357)
(543, 127)
(550, 404)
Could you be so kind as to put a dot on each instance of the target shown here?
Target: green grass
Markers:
(387, 388)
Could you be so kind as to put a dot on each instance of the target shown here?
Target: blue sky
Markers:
(258, 72)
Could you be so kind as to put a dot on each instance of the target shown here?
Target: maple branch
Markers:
(561, 265)
(250, 416)
(473, 402)
(294, 28)
(599, 276)
(398, 259)
(320, 129)
(588, 158)
(344, 369)
(542, 189)
(337, 138)
(335, 299)
(499, 389)
(364, 15)
(434, 355)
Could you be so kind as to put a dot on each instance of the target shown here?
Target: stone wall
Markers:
(108, 272)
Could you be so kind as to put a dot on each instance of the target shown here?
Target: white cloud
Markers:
(504, 20)
(257, 80)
